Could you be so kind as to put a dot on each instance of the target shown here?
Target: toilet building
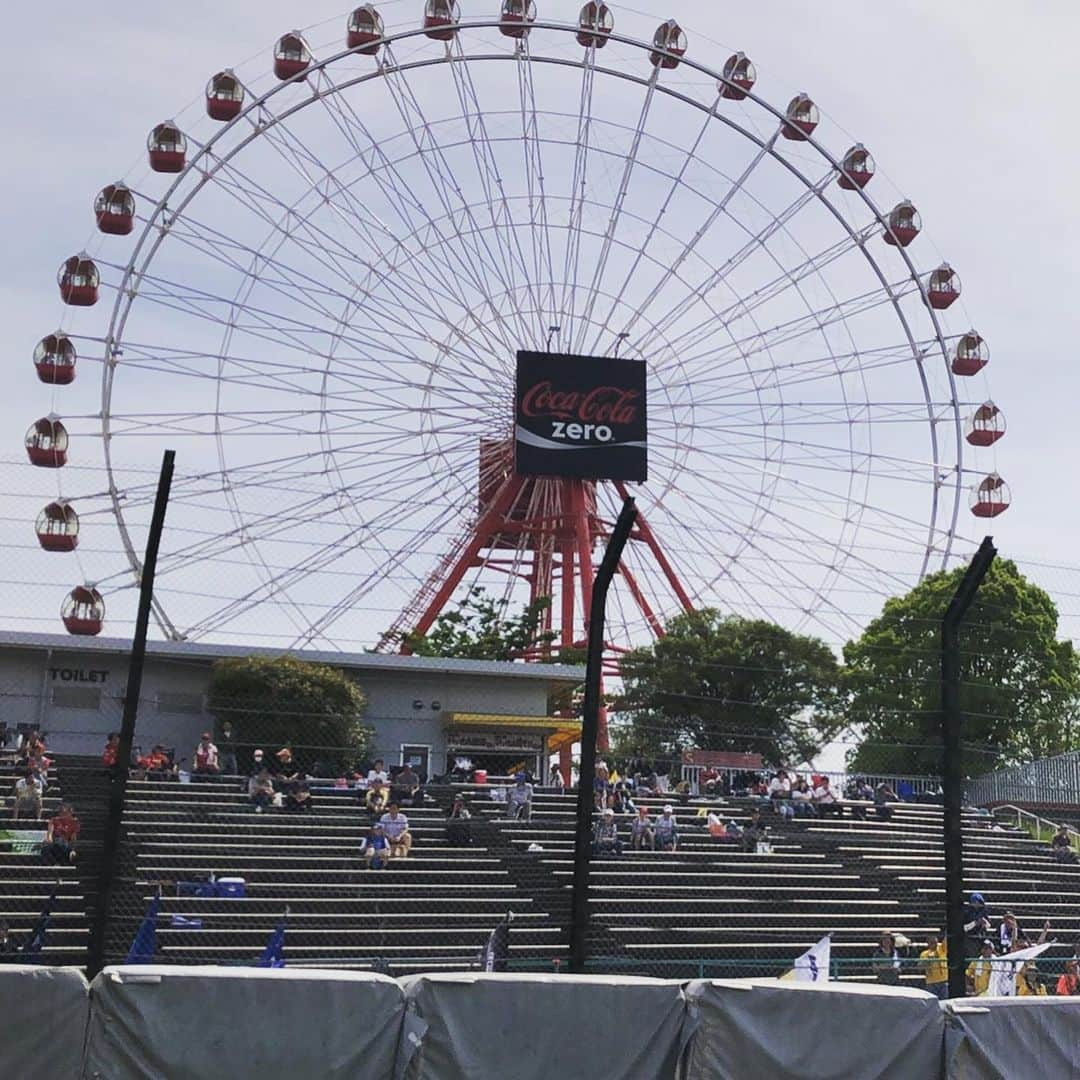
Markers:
(424, 710)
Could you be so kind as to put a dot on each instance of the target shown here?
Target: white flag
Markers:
(1004, 969)
(813, 965)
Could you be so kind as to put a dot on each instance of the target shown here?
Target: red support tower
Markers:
(545, 531)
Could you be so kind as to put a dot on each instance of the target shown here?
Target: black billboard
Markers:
(580, 416)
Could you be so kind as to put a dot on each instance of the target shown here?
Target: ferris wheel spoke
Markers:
(817, 320)
(395, 188)
(444, 182)
(487, 170)
(776, 224)
(575, 220)
(532, 144)
(714, 215)
(608, 241)
(326, 249)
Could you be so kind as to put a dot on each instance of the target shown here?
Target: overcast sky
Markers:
(967, 107)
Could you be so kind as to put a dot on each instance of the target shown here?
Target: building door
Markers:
(418, 757)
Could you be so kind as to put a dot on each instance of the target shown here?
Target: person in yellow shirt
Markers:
(934, 962)
(1028, 983)
(978, 971)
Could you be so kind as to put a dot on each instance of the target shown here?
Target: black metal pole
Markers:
(119, 778)
(952, 779)
(590, 721)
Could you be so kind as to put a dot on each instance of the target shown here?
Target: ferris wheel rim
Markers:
(126, 298)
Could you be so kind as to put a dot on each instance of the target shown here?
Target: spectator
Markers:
(979, 970)
(377, 772)
(396, 828)
(883, 795)
(519, 799)
(227, 756)
(7, 945)
(935, 966)
(63, 832)
(779, 790)
(28, 796)
(825, 802)
(158, 763)
(286, 771)
(261, 789)
(556, 779)
(666, 830)
(756, 831)
(1028, 981)
(642, 836)
(601, 787)
(33, 746)
(1009, 933)
(886, 961)
(458, 827)
(407, 784)
(802, 800)
(605, 839)
(1069, 983)
(112, 748)
(207, 760)
(976, 922)
(714, 825)
(299, 794)
(620, 800)
(375, 797)
(257, 762)
(1061, 846)
(376, 848)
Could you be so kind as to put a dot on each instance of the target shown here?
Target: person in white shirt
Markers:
(780, 794)
(802, 800)
(395, 827)
(377, 772)
(825, 801)
(28, 796)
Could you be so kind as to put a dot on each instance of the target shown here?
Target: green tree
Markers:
(481, 629)
(716, 682)
(1019, 682)
(281, 701)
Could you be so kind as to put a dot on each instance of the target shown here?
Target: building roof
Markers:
(366, 661)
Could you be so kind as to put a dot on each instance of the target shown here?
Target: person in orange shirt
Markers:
(1069, 983)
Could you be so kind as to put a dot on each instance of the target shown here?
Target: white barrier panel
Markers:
(42, 1021)
(794, 1031)
(535, 1027)
(214, 1023)
(1002, 1038)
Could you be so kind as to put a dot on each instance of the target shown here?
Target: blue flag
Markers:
(144, 943)
(33, 945)
(272, 956)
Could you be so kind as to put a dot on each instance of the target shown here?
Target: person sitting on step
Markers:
(605, 840)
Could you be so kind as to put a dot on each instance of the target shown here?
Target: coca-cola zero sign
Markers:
(580, 416)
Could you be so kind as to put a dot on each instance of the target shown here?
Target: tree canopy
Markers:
(1019, 683)
(481, 629)
(716, 682)
(282, 701)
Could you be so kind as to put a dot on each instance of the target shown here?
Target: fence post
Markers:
(119, 776)
(590, 722)
(952, 780)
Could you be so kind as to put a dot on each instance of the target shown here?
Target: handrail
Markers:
(1040, 823)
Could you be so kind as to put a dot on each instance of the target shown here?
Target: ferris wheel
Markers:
(330, 273)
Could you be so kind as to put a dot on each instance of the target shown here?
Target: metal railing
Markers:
(1052, 780)
(1040, 828)
(902, 785)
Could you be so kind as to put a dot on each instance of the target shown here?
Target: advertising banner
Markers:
(580, 416)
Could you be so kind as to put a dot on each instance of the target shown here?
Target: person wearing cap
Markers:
(934, 962)
(207, 761)
(376, 848)
(1009, 933)
(227, 755)
(978, 971)
(605, 840)
(976, 922)
(666, 830)
(1028, 982)
(519, 799)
